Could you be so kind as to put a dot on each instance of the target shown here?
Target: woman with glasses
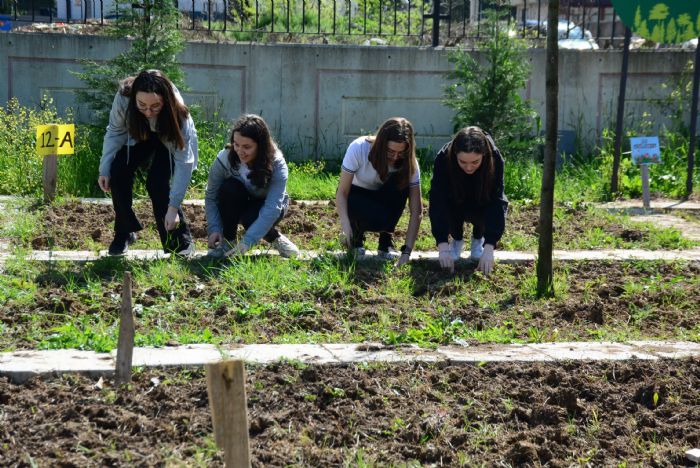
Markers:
(379, 173)
(150, 128)
(467, 186)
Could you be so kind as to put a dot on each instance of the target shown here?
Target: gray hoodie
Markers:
(275, 195)
(118, 135)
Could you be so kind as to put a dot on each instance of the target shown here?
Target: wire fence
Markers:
(583, 23)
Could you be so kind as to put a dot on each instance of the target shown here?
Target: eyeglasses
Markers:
(395, 154)
(154, 108)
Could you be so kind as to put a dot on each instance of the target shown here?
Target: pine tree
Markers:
(156, 43)
(672, 33)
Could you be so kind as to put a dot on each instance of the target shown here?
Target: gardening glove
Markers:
(239, 249)
(487, 261)
(172, 219)
(447, 262)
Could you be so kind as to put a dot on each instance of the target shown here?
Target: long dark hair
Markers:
(399, 130)
(169, 117)
(254, 127)
(471, 140)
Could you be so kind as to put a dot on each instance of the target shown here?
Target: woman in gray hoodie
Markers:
(247, 185)
(150, 128)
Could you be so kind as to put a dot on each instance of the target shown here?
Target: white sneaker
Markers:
(456, 246)
(390, 254)
(477, 248)
(285, 247)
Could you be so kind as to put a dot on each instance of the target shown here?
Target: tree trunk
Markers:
(545, 283)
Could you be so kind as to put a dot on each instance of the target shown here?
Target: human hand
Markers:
(487, 260)
(346, 234)
(445, 258)
(403, 259)
(172, 219)
(239, 249)
(103, 182)
(214, 239)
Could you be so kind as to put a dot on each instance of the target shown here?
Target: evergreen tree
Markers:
(156, 41)
(488, 94)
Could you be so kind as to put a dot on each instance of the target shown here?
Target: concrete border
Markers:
(511, 257)
(20, 366)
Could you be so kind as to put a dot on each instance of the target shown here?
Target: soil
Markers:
(629, 413)
(81, 226)
(608, 300)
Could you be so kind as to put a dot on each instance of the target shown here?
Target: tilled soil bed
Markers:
(632, 413)
(262, 300)
(77, 226)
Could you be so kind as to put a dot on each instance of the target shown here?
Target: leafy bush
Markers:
(488, 94)
(21, 168)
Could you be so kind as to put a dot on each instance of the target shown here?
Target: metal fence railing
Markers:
(445, 22)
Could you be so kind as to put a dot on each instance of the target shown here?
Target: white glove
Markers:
(172, 219)
(447, 262)
(239, 249)
(487, 261)
(346, 234)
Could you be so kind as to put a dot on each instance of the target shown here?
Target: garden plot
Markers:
(494, 414)
(73, 225)
(329, 300)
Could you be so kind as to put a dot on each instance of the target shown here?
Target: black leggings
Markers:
(236, 206)
(376, 211)
(153, 157)
(459, 217)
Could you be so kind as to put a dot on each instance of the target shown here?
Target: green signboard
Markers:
(664, 22)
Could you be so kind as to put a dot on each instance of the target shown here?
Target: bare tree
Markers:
(545, 283)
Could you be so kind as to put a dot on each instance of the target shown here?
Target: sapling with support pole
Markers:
(229, 411)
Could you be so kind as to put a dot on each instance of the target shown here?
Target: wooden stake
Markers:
(125, 348)
(50, 169)
(645, 185)
(229, 411)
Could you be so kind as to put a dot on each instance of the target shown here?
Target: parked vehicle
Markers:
(571, 36)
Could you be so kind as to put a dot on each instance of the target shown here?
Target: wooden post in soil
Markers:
(646, 197)
(229, 411)
(50, 171)
(125, 348)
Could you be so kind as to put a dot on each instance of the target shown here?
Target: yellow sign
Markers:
(55, 139)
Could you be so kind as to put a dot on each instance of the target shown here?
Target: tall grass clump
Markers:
(311, 181)
(21, 167)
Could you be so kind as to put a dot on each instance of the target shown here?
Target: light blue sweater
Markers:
(275, 195)
(118, 135)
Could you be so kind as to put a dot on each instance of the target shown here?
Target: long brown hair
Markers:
(170, 116)
(471, 140)
(254, 127)
(399, 130)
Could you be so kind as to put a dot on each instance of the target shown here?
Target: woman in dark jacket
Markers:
(467, 186)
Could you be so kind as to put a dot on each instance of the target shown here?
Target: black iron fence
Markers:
(435, 22)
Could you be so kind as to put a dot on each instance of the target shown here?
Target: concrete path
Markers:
(501, 256)
(660, 204)
(22, 365)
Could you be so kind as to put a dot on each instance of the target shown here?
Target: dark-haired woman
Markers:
(247, 185)
(467, 186)
(151, 128)
(379, 173)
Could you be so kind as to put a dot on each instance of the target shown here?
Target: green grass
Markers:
(271, 300)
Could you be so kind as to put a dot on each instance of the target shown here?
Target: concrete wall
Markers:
(318, 98)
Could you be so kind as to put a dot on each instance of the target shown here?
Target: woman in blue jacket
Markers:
(247, 185)
(150, 128)
(467, 186)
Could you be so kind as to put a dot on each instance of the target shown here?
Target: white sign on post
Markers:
(645, 151)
